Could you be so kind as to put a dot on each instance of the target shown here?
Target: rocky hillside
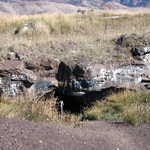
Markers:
(98, 3)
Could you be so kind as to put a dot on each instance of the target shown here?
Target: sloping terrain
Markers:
(113, 5)
(26, 135)
(31, 7)
(36, 7)
(97, 3)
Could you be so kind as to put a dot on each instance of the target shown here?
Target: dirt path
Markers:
(25, 135)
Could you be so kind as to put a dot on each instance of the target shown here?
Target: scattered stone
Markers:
(13, 56)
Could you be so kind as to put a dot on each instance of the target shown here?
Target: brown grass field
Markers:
(90, 35)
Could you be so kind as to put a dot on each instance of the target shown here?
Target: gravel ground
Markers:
(99, 135)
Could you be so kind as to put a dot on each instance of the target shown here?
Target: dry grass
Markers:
(38, 112)
(77, 35)
(127, 106)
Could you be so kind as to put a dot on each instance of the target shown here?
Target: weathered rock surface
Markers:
(13, 83)
(16, 76)
(142, 53)
(94, 77)
(139, 48)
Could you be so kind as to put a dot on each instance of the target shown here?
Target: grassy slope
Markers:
(77, 35)
(127, 106)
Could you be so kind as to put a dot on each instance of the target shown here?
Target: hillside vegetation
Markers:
(90, 35)
(65, 37)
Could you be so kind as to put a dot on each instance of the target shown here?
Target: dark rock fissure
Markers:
(78, 103)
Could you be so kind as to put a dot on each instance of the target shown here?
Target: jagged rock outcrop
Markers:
(17, 76)
(95, 77)
(139, 47)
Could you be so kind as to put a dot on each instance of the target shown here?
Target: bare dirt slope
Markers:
(26, 135)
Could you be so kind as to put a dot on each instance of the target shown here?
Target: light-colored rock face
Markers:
(121, 76)
(96, 77)
(130, 74)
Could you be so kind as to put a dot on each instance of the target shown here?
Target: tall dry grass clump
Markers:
(41, 111)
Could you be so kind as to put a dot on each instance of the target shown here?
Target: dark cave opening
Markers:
(77, 104)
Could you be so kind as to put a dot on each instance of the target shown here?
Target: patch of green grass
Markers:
(131, 107)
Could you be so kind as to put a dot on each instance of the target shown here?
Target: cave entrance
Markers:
(77, 104)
